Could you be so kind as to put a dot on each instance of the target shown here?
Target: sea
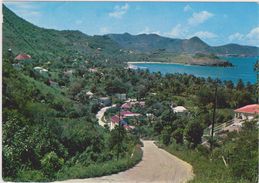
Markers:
(243, 69)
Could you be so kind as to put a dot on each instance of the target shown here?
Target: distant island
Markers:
(186, 59)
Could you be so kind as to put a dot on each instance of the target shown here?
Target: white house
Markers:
(179, 109)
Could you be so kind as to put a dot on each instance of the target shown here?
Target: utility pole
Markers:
(119, 135)
(213, 118)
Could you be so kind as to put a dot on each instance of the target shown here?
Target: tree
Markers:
(193, 133)
(178, 135)
(51, 163)
(166, 135)
(240, 85)
(116, 140)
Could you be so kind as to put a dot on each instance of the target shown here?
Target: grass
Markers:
(205, 169)
(97, 170)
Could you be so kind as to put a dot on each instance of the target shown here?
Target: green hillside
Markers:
(22, 36)
(153, 42)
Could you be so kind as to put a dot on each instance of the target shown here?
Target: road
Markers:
(100, 114)
(157, 166)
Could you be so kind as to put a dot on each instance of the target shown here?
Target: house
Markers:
(41, 70)
(247, 112)
(126, 114)
(126, 105)
(129, 105)
(53, 84)
(93, 70)
(116, 120)
(89, 94)
(179, 109)
(121, 96)
(17, 66)
(105, 101)
(22, 56)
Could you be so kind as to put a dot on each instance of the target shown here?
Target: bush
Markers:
(96, 170)
(30, 175)
(51, 163)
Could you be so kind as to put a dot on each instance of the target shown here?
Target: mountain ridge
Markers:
(145, 42)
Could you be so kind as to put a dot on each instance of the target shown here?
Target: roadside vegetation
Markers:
(239, 151)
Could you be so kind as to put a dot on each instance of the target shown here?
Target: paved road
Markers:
(100, 114)
(157, 165)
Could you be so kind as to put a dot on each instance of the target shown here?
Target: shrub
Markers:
(30, 175)
(51, 163)
(96, 170)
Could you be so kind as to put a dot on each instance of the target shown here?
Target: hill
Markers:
(153, 42)
(22, 36)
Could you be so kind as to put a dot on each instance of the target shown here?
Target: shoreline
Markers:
(143, 62)
(131, 64)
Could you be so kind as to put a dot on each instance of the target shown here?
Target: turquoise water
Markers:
(243, 69)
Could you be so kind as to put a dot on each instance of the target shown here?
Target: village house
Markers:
(179, 110)
(105, 101)
(23, 56)
(121, 96)
(116, 120)
(41, 70)
(93, 70)
(248, 112)
(89, 94)
(126, 114)
(129, 105)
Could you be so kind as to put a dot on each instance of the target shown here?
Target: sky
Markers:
(215, 23)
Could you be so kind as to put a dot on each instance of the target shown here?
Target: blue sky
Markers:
(215, 23)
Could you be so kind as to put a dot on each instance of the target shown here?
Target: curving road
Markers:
(157, 165)
(100, 114)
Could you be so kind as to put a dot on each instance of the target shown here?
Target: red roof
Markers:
(115, 119)
(251, 109)
(126, 106)
(22, 57)
(123, 113)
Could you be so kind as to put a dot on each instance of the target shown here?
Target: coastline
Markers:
(131, 64)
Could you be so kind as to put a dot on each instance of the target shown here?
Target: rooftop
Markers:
(250, 109)
(179, 109)
(22, 57)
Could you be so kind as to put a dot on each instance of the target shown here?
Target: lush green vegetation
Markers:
(239, 150)
(45, 132)
(50, 130)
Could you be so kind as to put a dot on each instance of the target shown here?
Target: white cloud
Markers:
(104, 30)
(254, 33)
(236, 37)
(199, 18)
(177, 31)
(251, 38)
(24, 9)
(205, 35)
(187, 8)
(119, 11)
(147, 30)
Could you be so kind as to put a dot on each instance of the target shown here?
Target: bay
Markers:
(243, 69)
